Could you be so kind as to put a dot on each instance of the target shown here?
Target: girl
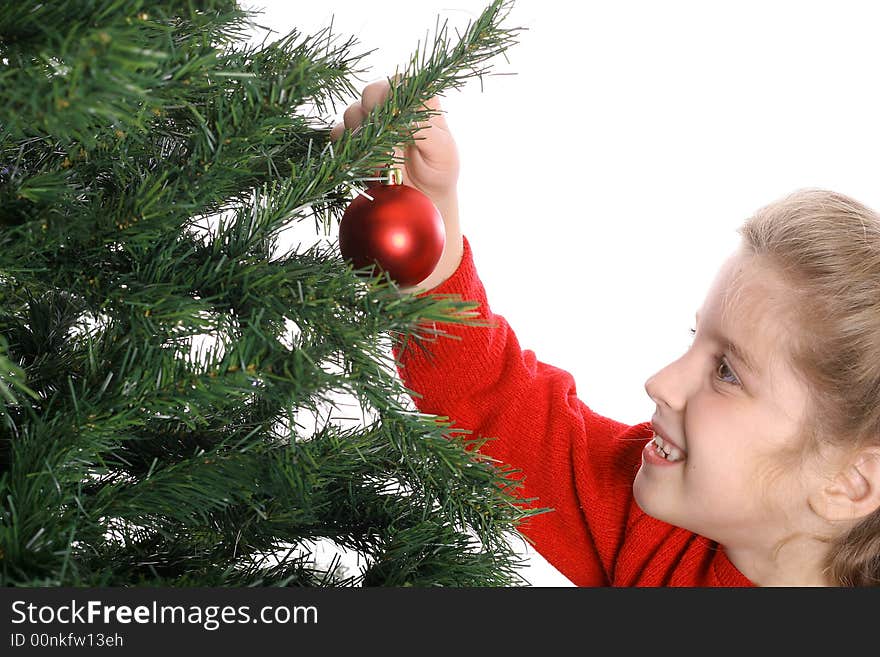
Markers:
(761, 463)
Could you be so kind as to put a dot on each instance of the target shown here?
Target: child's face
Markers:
(735, 483)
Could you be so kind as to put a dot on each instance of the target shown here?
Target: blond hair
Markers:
(826, 248)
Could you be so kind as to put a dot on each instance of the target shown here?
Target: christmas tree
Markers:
(159, 352)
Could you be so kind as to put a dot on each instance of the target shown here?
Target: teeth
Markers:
(668, 452)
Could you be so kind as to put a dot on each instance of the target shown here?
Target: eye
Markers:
(722, 365)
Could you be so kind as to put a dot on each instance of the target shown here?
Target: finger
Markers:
(337, 131)
(374, 94)
(353, 115)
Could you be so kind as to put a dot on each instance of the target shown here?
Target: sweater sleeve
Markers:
(571, 459)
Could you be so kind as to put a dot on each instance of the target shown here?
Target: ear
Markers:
(854, 492)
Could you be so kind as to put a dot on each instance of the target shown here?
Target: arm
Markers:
(485, 382)
(571, 457)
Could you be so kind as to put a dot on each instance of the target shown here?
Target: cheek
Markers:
(784, 479)
(747, 471)
(720, 447)
(713, 425)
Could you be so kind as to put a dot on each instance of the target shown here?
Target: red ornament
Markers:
(400, 230)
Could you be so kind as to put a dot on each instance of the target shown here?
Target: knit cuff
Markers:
(464, 280)
(460, 343)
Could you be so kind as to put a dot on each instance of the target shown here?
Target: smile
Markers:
(668, 452)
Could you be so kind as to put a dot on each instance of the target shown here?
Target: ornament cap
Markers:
(394, 176)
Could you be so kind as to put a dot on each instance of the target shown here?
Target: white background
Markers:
(604, 176)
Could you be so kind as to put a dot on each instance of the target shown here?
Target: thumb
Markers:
(437, 120)
(432, 104)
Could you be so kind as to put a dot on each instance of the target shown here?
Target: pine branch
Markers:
(129, 452)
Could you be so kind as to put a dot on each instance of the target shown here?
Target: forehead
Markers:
(745, 291)
(746, 304)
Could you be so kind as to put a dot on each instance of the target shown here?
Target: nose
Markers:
(672, 385)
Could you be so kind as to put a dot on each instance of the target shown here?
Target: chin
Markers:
(643, 497)
(640, 492)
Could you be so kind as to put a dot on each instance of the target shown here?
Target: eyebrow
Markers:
(736, 351)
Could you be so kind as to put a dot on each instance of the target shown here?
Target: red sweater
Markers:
(573, 460)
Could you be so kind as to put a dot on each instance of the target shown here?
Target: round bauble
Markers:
(399, 229)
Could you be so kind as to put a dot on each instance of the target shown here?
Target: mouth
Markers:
(666, 450)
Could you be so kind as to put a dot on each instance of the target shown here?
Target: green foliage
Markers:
(129, 454)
